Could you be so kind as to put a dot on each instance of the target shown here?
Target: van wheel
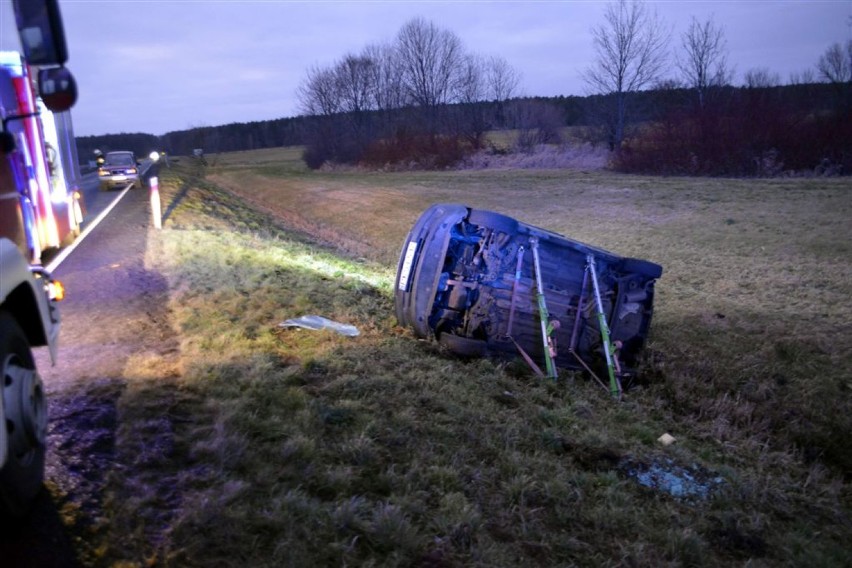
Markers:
(495, 221)
(643, 267)
(464, 346)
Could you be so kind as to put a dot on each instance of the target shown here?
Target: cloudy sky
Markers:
(157, 66)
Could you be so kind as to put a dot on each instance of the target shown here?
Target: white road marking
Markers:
(54, 264)
(65, 252)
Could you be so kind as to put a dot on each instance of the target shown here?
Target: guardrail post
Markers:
(156, 212)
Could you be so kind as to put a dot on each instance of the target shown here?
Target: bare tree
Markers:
(318, 94)
(355, 80)
(388, 91)
(806, 77)
(704, 60)
(631, 52)
(467, 117)
(761, 77)
(398, 92)
(429, 58)
(502, 79)
(469, 85)
(835, 65)
(502, 82)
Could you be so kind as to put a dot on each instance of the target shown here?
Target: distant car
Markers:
(119, 170)
(467, 277)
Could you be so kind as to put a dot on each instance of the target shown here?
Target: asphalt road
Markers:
(114, 308)
(96, 200)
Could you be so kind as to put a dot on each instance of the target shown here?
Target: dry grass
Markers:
(306, 448)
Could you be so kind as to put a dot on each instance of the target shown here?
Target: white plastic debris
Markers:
(667, 439)
(318, 322)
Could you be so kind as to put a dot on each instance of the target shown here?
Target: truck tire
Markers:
(25, 412)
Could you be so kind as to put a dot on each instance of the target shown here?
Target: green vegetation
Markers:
(298, 448)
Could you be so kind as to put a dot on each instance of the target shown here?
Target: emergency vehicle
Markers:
(38, 208)
(45, 166)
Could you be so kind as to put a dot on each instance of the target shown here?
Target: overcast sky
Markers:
(157, 66)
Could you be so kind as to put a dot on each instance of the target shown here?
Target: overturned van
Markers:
(484, 283)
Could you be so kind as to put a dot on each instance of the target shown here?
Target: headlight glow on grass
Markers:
(336, 268)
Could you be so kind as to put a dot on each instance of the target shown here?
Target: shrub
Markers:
(751, 134)
(423, 151)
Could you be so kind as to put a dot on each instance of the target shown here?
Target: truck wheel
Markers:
(25, 410)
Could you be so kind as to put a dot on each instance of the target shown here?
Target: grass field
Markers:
(300, 448)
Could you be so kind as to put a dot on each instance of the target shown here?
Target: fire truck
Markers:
(51, 207)
(38, 208)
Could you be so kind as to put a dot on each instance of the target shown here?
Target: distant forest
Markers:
(212, 139)
(740, 131)
(296, 131)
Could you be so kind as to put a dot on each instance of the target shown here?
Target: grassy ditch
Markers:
(308, 448)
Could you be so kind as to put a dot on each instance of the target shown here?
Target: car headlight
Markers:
(131, 171)
(103, 172)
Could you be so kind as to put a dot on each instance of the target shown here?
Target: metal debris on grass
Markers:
(316, 323)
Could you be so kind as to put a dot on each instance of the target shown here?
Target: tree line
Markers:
(212, 139)
(749, 130)
(423, 100)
